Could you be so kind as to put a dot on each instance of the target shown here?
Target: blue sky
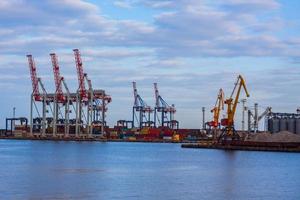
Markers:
(190, 47)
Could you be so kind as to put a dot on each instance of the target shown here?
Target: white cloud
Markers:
(122, 4)
(158, 4)
(109, 53)
(116, 52)
(252, 5)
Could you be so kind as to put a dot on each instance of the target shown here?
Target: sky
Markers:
(191, 48)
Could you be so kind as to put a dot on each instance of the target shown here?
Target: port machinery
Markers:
(167, 112)
(216, 110)
(141, 112)
(40, 101)
(62, 113)
(229, 132)
(94, 101)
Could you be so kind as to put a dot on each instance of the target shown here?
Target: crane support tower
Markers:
(39, 103)
(141, 112)
(62, 102)
(167, 112)
(228, 123)
(90, 103)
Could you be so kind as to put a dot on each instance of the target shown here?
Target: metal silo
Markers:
(297, 126)
(291, 125)
(283, 124)
(275, 124)
(270, 125)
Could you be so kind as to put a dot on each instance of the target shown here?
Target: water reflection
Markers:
(87, 170)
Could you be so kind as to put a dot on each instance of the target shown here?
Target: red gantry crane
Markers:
(94, 99)
(38, 124)
(61, 101)
(80, 75)
(34, 79)
(89, 103)
(82, 119)
(57, 79)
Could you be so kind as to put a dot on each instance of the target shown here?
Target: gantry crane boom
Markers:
(164, 109)
(240, 83)
(161, 103)
(156, 95)
(57, 78)
(142, 108)
(219, 105)
(34, 79)
(138, 101)
(80, 74)
(135, 94)
(232, 105)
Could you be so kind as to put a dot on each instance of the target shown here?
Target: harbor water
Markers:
(120, 170)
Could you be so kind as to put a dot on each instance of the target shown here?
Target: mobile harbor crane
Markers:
(216, 110)
(228, 123)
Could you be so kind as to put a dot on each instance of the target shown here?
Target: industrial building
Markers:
(277, 122)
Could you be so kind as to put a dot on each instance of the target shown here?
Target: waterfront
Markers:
(99, 170)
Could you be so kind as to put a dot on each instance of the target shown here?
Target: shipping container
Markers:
(154, 131)
(176, 137)
(167, 137)
(168, 132)
(144, 130)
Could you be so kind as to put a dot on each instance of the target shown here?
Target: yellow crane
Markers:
(231, 103)
(219, 105)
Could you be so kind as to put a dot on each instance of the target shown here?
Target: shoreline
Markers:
(200, 144)
(248, 146)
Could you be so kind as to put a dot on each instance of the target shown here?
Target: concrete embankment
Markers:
(248, 146)
(83, 139)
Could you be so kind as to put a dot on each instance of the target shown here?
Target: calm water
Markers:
(86, 170)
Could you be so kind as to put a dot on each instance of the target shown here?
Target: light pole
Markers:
(14, 116)
(243, 114)
(203, 118)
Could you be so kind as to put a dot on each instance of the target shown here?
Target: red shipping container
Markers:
(154, 131)
(168, 132)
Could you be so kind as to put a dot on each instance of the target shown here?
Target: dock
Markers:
(247, 146)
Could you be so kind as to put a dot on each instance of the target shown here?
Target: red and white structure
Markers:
(72, 114)
(39, 102)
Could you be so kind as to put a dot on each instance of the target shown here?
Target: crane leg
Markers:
(229, 133)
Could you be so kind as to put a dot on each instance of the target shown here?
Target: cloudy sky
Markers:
(190, 47)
